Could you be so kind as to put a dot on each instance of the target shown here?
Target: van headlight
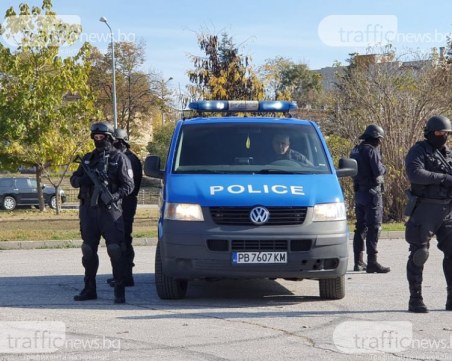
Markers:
(183, 212)
(329, 212)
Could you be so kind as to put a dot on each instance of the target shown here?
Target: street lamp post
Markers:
(103, 19)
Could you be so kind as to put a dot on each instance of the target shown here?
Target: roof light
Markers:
(242, 106)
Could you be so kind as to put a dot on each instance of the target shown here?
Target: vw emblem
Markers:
(259, 215)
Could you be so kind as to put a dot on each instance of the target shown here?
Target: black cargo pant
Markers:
(369, 216)
(129, 206)
(106, 222)
(429, 218)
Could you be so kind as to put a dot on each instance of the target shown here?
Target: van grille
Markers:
(240, 216)
(259, 245)
(294, 245)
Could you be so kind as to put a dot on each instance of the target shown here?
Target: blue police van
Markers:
(248, 191)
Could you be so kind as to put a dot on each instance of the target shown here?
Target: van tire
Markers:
(332, 288)
(168, 288)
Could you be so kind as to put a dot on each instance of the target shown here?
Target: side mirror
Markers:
(347, 167)
(152, 167)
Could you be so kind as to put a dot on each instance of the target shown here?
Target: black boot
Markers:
(128, 282)
(120, 293)
(447, 268)
(373, 266)
(128, 277)
(449, 299)
(360, 265)
(416, 303)
(89, 292)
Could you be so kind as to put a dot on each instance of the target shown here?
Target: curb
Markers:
(390, 235)
(11, 245)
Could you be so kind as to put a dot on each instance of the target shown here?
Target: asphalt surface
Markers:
(224, 320)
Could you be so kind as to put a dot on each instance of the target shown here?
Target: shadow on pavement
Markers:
(56, 292)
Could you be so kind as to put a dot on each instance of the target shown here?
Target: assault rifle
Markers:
(100, 182)
(444, 162)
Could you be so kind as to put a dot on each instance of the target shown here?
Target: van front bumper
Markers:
(187, 251)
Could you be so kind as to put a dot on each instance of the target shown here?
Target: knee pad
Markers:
(377, 229)
(87, 251)
(420, 256)
(114, 251)
(360, 228)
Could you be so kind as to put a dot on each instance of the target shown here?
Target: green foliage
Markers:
(285, 79)
(223, 73)
(40, 125)
(340, 148)
(160, 144)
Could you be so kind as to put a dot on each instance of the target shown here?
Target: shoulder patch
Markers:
(130, 172)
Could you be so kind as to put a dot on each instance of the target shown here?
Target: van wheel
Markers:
(168, 288)
(9, 203)
(333, 288)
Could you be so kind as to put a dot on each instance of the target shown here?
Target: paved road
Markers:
(241, 320)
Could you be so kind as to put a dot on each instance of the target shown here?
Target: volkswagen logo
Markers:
(259, 215)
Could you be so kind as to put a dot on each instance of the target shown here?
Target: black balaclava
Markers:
(374, 142)
(102, 145)
(120, 145)
(437, 141)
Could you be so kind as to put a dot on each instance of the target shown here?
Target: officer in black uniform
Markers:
(282, 150)
(129, 205)
(101, 217)
(429, 170)
(368, 184)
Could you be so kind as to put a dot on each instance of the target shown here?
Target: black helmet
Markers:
(121, 134)
(437, 122)
(103, 128)
(373, 131)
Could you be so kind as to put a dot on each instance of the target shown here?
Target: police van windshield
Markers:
(249, 148)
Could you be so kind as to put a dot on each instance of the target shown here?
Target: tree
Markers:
(161, 141)
(400, 97)
(40, 125)
(287, 80)
(135, 99)
(223, 73)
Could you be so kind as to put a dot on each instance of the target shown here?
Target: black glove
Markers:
(447, 180)
(115, 197)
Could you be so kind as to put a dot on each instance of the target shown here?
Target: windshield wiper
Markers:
(279, 171)
(200, 171)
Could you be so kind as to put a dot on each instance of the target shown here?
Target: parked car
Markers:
(16, 191)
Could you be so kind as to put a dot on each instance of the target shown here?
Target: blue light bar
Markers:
(226, 106)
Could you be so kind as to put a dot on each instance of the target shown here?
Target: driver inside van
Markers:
(281, 150)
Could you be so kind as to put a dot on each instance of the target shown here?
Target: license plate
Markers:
(259, 257)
